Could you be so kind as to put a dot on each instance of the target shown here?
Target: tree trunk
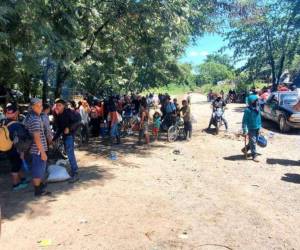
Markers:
(62, 74)
(280, 67)
(45, 91)
(26, 84)
(274, 83)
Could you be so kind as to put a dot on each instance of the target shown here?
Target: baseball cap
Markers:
(34, 101)
(11, 108)
(61, 101)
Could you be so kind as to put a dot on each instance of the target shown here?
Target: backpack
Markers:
(22, 140)
(6, 143)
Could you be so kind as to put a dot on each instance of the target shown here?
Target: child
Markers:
(186, 113)
(156, 124)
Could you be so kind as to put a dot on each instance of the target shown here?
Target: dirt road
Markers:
(208, 197)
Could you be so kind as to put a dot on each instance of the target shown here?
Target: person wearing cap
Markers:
(251, 125)
(15, 157)
(218, 103)
(67, 122)
(38, 149)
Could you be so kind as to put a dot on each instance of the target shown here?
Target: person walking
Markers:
(67, 122)
(251, 125)
(33, 122)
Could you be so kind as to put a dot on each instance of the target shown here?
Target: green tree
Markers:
(213, 72)
(267, 35)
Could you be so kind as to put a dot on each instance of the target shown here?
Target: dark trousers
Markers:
(84, 133)
(253, 135)
(15, 160)
(188, 129)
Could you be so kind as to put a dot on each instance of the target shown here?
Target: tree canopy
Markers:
(268, 36)
(100, 46)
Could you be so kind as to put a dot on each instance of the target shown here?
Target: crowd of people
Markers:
(43, 124)
(29, 139)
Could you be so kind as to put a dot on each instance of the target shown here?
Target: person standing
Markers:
(84, 111)
(186, 113)
(156, 124)
(251, 125)
(169, 111)
(15, 157)
(46, 121)
(67, 122)
(33, 122)
(176, 104)
(144, 124)
(114, 118)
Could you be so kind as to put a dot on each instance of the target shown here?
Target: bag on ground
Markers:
(57, 173)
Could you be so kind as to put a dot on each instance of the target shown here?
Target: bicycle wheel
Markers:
(172, 134)
(182, 133)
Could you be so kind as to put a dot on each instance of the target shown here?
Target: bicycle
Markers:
(176, 131)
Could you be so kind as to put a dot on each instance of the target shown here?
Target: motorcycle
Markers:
(217, 120)
(57, 149)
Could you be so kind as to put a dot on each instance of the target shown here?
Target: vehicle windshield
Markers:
(289, 99)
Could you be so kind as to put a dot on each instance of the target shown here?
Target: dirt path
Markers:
(208, 197)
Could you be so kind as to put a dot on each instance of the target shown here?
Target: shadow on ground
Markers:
(235, 158)
(14, 204)
(283, 162)
(293, 178)
(129, 145)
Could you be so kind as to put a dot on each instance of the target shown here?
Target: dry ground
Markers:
(208, 197)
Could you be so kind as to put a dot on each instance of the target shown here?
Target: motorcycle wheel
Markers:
(172, 134)
(61, 150)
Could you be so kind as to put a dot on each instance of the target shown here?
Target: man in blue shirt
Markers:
(169, 111)
(252, 125)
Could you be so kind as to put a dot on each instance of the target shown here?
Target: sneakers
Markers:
(25, 180)
(40, 191)
(255, 159)
(74, 178)
(19, 186)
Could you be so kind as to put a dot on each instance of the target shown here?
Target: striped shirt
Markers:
(34, 124)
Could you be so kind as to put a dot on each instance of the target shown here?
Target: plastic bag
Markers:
(57, 173)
